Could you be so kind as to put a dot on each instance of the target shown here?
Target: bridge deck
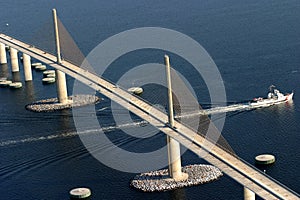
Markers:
(239, 170)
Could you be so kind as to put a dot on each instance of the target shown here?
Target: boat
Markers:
(274, 97)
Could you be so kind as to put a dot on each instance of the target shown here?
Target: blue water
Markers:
(254, 44)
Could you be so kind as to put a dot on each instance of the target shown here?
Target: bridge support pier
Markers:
(3, 59)
(248, 194)
(175, 160)
(14, 60)
(61, 86)
(173, 146)
(27, 67)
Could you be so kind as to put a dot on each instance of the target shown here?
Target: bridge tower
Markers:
(173, 146)
(61, 85)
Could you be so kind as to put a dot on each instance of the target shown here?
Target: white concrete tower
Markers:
(173, 146)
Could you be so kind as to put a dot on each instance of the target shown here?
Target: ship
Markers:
(274, 97)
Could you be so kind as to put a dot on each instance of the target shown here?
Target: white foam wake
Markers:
(70, 134)
(217, 110)
(214, 110)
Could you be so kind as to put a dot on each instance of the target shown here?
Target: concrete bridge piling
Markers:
(14, 60)
(61, 85)
(3, 59)
(27, 67)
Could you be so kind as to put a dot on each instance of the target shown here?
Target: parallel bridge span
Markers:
(233, 166)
